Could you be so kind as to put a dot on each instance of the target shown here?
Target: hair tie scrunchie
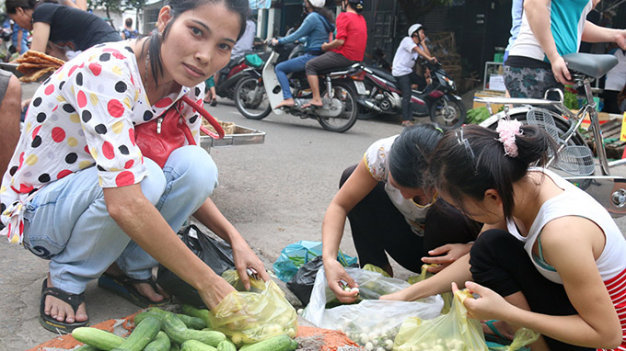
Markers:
(507, 130)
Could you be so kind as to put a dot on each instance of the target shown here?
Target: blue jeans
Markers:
(67, 221)
(289, 66)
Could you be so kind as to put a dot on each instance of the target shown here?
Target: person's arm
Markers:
(143, 223)
(570, 245)
(341, 24)
(423, 53)
(357, 186)
(595, 34)
(209, 215)
(41, 34)
(303, 31)
(538, 15)
(333, 44)
(10, 122)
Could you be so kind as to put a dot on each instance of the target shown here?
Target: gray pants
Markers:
(325, 61)
(529, 82)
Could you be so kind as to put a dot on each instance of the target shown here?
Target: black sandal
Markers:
(52, 324)
(124, 286)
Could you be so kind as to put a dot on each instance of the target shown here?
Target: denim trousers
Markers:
(68, 223)
(289, 66)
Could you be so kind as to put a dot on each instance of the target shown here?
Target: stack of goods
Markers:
(34, 65)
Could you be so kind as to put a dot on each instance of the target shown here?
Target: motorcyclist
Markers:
(317, 26)
(409, 50)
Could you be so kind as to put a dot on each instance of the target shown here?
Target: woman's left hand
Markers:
(488, 304)
(246, 259)
(444, 255)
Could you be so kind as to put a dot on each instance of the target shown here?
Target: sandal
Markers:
(125, 287)
(214, 102)
(497, 335)
(52, 324)
(407, 123)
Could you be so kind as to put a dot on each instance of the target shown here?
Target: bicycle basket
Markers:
(576, 160)
(543, 119)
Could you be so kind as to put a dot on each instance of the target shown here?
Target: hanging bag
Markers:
(158, 138)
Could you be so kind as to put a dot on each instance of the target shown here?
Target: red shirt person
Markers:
(347, 48)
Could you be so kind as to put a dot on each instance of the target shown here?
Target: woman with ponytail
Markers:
(78, 191)
(59, 30)
(550, 258)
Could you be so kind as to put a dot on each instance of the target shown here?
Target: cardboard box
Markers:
(487, 93)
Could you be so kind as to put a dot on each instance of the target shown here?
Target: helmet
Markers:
(317, 3)
(414, 28)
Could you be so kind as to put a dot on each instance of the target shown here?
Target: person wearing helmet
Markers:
(409, 50)
(347, 48)
(315, 28)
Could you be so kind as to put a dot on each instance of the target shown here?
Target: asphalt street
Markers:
(275, 193)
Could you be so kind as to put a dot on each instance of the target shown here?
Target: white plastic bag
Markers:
(371, 322)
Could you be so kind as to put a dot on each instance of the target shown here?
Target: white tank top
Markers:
(575, 202)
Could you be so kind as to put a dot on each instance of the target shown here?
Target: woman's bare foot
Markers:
(313, 103)
(286, 103)
(62, 311)
(144, 289)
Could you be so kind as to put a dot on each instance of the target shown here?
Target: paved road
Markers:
(275, 193)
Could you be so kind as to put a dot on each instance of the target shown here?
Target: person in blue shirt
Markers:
(19, 39)
(317, 26)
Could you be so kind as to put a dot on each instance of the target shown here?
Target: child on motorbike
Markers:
(315, 30)
(393, 210)
(409, 50)
(550, 257)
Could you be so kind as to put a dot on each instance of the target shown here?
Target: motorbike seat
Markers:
(591, 65)
(347, 69)
(382, 73)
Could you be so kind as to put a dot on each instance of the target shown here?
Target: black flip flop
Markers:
(52, 324)
(124, 286)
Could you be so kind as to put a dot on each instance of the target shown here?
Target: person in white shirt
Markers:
(408, 52)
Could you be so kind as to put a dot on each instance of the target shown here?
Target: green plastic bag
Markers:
(295, 255)
(522, 338)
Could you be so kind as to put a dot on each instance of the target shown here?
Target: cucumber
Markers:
(97, 338)
(86, 347)
(190, 322)
(141, 336)
(179, 333)
(275, 343)
(174, 347)
(160, 343)
(195, 345)
(226, 345)
(198, 313)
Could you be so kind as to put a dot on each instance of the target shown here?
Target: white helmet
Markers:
(412, 29)
(317, 3)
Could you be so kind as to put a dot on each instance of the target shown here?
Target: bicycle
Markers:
(573, 157)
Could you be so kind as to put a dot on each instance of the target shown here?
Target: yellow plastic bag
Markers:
(522, 338)
(251, 316)
(451, 332)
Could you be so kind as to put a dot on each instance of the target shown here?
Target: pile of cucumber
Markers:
(160, 330)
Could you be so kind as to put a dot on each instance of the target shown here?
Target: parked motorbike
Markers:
(437, 100)
(237, 69)
(258, 94)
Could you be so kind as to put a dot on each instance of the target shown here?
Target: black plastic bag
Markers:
(217, 254)
(302, 283)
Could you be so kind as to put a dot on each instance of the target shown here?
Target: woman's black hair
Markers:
(328, 14)
(408, 158)
(155, 41)
(471, 159)
(12, 5)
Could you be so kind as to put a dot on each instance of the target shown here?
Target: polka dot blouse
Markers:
(83, 116)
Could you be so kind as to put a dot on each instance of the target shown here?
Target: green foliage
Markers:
(570, 100)
(477, 115)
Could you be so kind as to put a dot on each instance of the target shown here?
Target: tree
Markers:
(109, 6)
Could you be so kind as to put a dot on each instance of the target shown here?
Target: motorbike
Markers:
(437, 100)
(258, 94)
(237, 69)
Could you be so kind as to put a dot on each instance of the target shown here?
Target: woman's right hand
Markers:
(216, 291)
(335, 275)
(560, 71)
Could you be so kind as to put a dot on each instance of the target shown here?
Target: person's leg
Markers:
(379, 228)
(610, 101)
(529, 82)
(325, 61)
(10, 99)
(286, 67)
(498, 261)
(404, 83)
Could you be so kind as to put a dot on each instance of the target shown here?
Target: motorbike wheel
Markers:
(348, 117)
(251, 99)
(448, 113)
